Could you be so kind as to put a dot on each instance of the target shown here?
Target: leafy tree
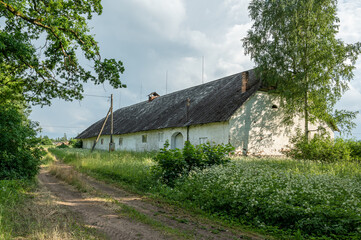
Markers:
(294, 44)
(45, 140)
(39, 44)
(19, 154)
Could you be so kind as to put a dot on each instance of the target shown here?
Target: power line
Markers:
(59, 126)
(91, 95)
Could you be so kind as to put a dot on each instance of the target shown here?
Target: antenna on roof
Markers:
(141, 90)
(120, 99)
(166, 82)
(202, 69)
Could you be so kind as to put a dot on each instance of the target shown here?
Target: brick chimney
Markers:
(244, 81)
(152, 96)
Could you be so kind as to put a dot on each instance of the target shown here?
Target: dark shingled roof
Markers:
(214, 101)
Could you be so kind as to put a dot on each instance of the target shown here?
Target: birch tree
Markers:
(294, 45)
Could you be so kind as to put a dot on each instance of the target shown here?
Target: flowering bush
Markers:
(266, 194)
(174, 163)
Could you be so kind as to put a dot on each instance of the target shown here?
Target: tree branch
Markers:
(34, 21)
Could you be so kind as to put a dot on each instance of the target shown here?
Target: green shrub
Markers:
(62, 146)
(355, 148)
(19, 152)
(320, 148)
(175, 163)
(45, 141)
(76, 143)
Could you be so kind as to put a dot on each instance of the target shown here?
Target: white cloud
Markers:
(163, 16)
(238, 10)
(350, 18)
(351, 100)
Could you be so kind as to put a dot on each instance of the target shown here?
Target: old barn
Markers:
(235, 109)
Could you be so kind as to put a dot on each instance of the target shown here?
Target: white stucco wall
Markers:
(256, 128)
(213, 132)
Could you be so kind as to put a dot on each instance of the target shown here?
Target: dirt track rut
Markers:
(100, 214)
(96, 214)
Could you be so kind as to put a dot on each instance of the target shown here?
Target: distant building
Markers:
(234, 109)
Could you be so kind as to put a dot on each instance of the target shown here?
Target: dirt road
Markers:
(121, 215)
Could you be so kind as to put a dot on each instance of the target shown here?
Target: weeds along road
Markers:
(96, 212)
(122, 215)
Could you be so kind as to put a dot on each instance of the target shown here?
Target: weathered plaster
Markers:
(255, 128)
(214, 132)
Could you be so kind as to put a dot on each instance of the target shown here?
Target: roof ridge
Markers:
(203, 84)
(214, 101)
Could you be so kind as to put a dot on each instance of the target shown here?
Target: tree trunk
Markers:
(306, 114)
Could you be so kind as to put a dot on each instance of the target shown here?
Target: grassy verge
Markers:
(287, 198)
(132, 213)
(128, 169)
(29, 212)
(68, 175)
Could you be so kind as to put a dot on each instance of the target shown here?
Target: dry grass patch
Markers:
(70, 176)
(34, 214)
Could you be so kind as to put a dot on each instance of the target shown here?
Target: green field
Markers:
(283, 197)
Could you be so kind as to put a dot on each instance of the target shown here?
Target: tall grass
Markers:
(130, 169)
(316, 200)
(10, 196)
(29, 212)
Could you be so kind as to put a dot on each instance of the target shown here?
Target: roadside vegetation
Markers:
(28, 211)
(283, 197)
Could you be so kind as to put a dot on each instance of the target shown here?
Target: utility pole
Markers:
(110, 113)
(111, 144)
(188, 104)
(101, 130)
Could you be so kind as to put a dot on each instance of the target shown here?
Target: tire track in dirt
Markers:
(95, 214)
(169, 216)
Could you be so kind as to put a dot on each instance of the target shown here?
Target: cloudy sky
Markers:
(155, 38)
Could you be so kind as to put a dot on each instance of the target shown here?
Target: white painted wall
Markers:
(213, 132)
(256, 128)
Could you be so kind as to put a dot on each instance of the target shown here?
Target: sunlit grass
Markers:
(29, 212)
(129, 169)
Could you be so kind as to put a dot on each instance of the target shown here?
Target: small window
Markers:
(120, 141)
(101, 141)
(160, 137)
(203, 140)
(144, 138)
